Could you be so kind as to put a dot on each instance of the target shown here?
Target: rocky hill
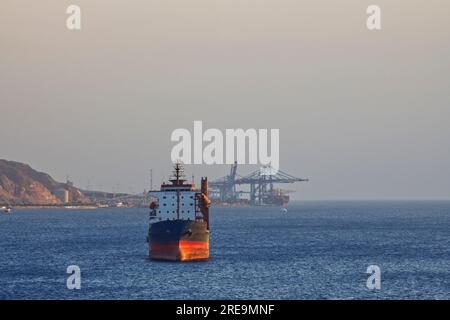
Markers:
(21, 184)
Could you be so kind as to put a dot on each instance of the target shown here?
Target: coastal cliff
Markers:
(22, 185)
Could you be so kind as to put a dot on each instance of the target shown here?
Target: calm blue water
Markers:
(318, 250)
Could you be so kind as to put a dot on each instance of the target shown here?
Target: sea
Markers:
(315, 250)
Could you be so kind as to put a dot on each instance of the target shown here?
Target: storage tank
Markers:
(62, 195)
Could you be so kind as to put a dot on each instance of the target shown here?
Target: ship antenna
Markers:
(178, 173)
(151, 179)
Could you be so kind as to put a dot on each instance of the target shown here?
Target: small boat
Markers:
(7, 209)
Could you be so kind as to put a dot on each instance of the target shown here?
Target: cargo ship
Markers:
(275, 197)
(179, 220)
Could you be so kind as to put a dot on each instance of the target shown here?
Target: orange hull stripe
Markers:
(194, 245)
(183, 250)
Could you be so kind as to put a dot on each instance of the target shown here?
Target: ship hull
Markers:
(179, 240)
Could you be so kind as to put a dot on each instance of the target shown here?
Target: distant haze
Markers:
(364, 115)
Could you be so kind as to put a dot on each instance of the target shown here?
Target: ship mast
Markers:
(178, 174)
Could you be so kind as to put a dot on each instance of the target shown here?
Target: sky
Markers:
(362, 114)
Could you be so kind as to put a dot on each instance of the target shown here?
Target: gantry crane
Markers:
(261, 184)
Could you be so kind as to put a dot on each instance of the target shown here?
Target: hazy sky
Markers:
(364, 115)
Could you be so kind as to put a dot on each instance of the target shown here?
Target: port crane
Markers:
(225, 187)
(261, 182)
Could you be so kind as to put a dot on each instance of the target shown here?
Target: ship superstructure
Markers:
(179, 220)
